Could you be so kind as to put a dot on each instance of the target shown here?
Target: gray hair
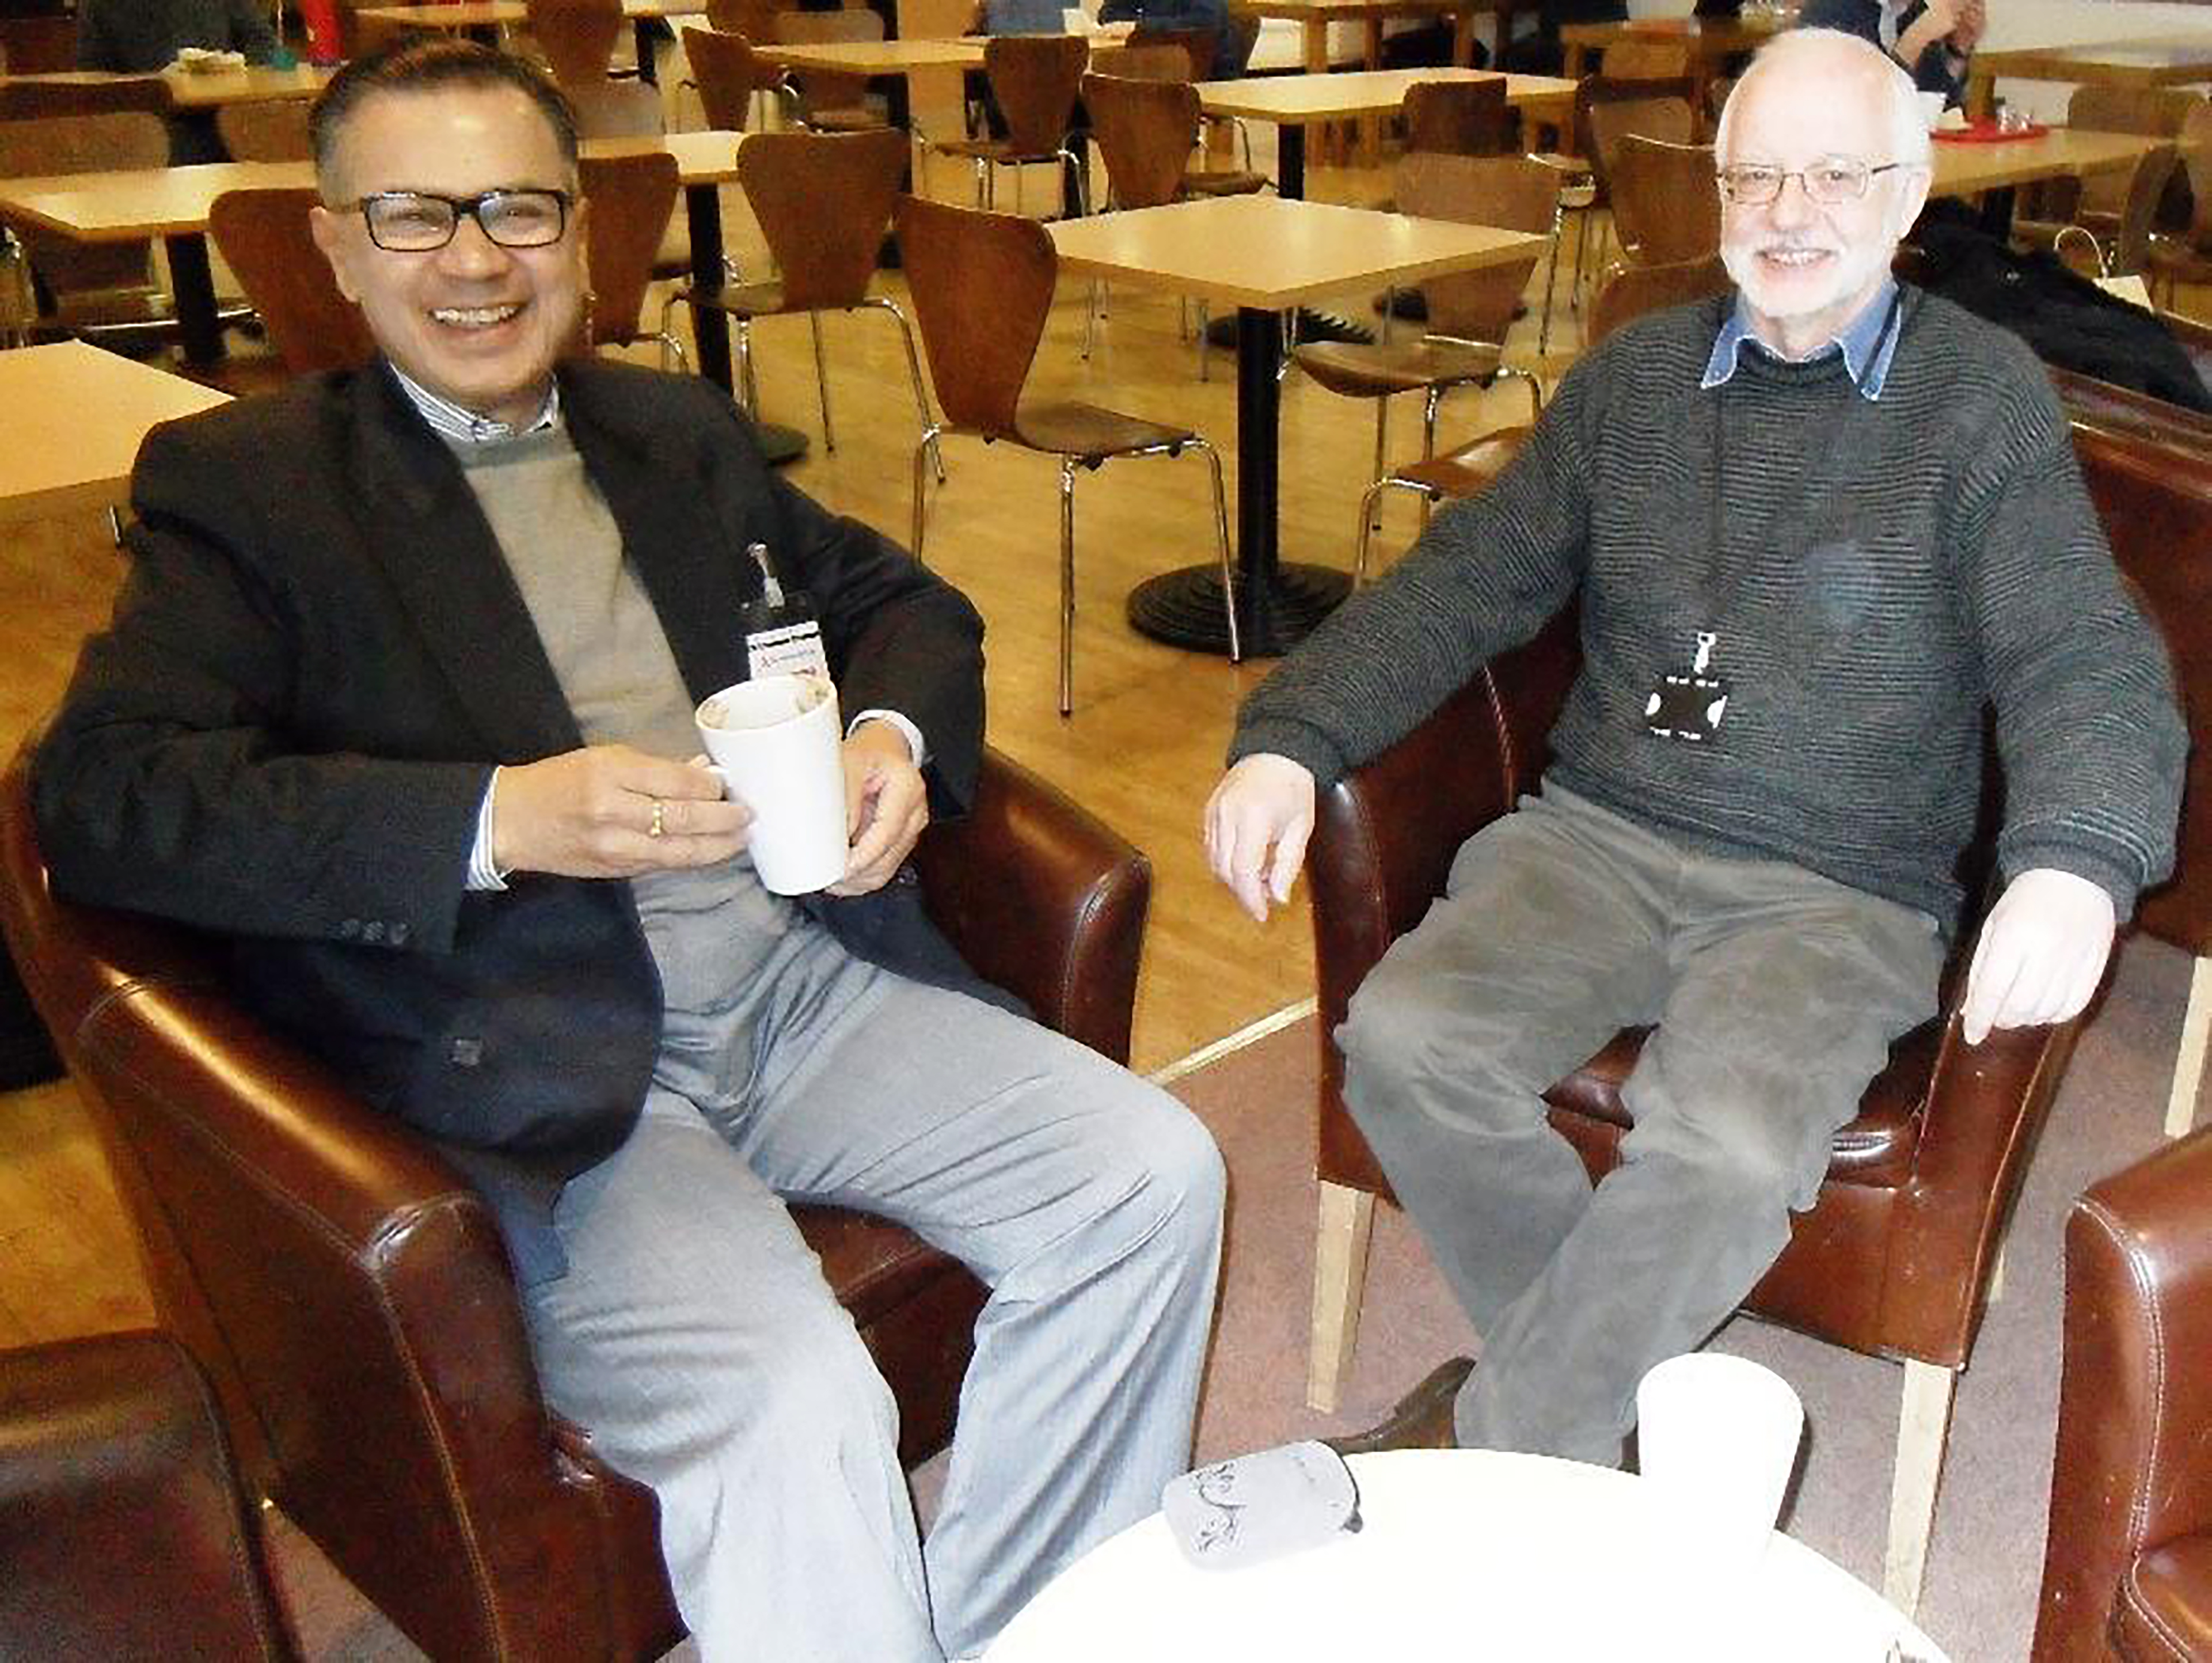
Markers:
(1908, 126)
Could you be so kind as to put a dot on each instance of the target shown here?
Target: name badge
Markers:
(1688, 704)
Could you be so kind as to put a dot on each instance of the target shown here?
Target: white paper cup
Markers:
(1718, 1438)
(1931, 109)
(774, 741)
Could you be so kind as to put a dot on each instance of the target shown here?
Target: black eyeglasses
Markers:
(1829, 181)
(418, 221)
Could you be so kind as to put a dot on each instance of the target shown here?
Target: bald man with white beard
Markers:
(1819, 528)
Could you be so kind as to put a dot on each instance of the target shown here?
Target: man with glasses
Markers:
(1818, 527)
(399, 699)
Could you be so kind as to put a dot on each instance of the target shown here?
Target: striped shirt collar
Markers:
(450, 422)
(1867, 342)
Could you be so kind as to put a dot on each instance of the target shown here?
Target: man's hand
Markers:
(886, 807)
(590, 814)
(2042, 953)
(1256, 826)
(1936, 23)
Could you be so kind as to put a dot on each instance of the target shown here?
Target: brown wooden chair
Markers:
(728, 76)
(2187, 257)
(577, 37)
(1474, 466)
(349, 1296)
(632, 200)
(2098, 202)
(830, 102)
(1035, 79)
(1666, 205)
(38, 46)
(981, 285)
(263, 236)
(1895, 1257)
(121, 1525)
(273, 130)
(1468, 313)
(1461, 118)
(26, 100)
(824, 201)
(753, 19)
(2127, 1564)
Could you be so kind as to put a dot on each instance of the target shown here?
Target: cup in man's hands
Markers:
(775, 742)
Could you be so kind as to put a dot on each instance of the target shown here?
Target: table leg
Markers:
(1370, 126)
(192, 286)
(710, 329)
(1463, 35)
(1996, 212)
(1277, 605)
(646, 31)
(1290, 159)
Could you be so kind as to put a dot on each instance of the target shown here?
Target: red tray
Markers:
(1987, 132)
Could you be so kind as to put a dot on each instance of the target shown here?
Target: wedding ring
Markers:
(657, 827)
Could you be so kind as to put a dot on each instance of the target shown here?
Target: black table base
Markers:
(1184, 608)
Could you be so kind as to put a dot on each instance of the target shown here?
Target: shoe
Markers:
(1422, 1420)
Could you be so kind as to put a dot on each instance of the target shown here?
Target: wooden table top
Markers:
(1963, 170)
(877, 57)
(1263, 251)
(1301, 98)
(1705, 36)
(95, 408)
(2165, 60)
(486, 14)
(201, 89)
(155, 202)
(1320, 11)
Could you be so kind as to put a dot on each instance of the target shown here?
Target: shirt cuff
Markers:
(914, 740)
(484, 871)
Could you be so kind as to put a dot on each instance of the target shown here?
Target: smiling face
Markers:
(472, 322)
(1805, 268)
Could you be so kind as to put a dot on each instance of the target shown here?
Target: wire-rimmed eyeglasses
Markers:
(1829, 181)
(418, 221)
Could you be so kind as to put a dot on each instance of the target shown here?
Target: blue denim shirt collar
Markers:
(1867, 342)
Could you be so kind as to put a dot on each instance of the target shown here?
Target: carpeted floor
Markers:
(1986, 1560)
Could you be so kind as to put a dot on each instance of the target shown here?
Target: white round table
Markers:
(1462, 1554)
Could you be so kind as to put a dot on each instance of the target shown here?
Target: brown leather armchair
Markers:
(350, 1295)
(2127, 1568)
(122, 1530)
(1897, 1256)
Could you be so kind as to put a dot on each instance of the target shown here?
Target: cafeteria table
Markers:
(1262, 255)
(2158, 61)
(198, 89)
(93, 409)
(1293, 101)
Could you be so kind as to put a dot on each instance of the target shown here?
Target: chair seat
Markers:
(1000, 151)
(740, 300)
(1089, 432)
(1222, 182)
(1876, 1148)
(1370, 372)
(1470, 470)
(2165, 1604)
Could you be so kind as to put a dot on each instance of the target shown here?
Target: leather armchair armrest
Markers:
(394, 1375)
(2133, 1471)
(1042, 899)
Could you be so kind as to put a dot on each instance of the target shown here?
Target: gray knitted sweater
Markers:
(1881, 577)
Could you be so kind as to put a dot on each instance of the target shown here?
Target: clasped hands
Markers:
(591, 812)
(2041, 954)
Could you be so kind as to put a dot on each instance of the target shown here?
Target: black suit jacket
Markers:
(1934, 73)
(287, 729)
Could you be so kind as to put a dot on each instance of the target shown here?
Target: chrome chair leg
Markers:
(1066, 586)
(1382, 435)
(745, 377)
(1221, 539)
(921, 490)
(913, 375)
(1552, 274)
(822, 381)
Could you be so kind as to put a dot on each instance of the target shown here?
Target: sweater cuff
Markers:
(1307, 747)
(2117, 876)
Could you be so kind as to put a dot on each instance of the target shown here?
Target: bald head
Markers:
(1806, 69)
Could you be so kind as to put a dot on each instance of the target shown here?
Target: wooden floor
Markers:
(1143, 748)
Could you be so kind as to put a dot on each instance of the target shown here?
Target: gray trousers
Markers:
(1776, 993)
(694, 1336)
